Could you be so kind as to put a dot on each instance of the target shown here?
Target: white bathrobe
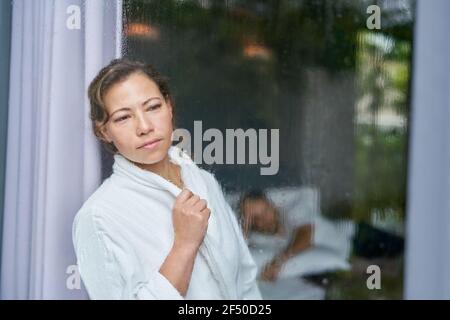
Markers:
(124, 231)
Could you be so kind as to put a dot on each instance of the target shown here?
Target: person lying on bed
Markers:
(295, 225)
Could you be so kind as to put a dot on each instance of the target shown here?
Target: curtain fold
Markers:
(53, 159)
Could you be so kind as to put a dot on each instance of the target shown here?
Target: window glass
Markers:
(300, 109)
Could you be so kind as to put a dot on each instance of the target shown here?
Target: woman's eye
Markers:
(121, 119)
(154, 107)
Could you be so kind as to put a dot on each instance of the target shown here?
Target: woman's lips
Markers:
(151, 145)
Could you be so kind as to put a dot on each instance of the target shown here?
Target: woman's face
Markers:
(140, 123)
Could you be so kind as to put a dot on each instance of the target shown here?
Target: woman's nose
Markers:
(144, 124)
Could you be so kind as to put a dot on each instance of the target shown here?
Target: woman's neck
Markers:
(160, 168)
(166, 169)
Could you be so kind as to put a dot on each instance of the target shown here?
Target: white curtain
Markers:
(427, 266)
(53, 159)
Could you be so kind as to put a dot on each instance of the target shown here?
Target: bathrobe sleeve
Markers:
(105, 275)
(247, 284)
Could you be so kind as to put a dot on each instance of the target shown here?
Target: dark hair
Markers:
(116, 71)
(252, 194)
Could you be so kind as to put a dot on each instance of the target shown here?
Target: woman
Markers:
(159, 226)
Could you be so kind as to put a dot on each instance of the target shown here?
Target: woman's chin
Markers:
(150, 158)
(147, 156)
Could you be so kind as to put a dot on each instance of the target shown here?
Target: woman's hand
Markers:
(190, 220)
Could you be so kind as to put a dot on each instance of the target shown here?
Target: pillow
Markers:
(312, 261)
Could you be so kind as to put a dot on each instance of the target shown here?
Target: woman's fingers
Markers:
(193, 203)
(200, 205)
(206, 212)
(184, 195)
(193, 200)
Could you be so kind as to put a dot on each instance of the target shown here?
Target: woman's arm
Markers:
(177, 268)
(190, 220)
(107, 274)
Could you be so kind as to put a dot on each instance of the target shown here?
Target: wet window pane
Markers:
(320, 91)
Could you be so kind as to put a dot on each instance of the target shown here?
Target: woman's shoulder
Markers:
(92, 211)
(110, 193)
(87, 219)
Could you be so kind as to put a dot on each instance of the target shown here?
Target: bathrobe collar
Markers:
(125, 167)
